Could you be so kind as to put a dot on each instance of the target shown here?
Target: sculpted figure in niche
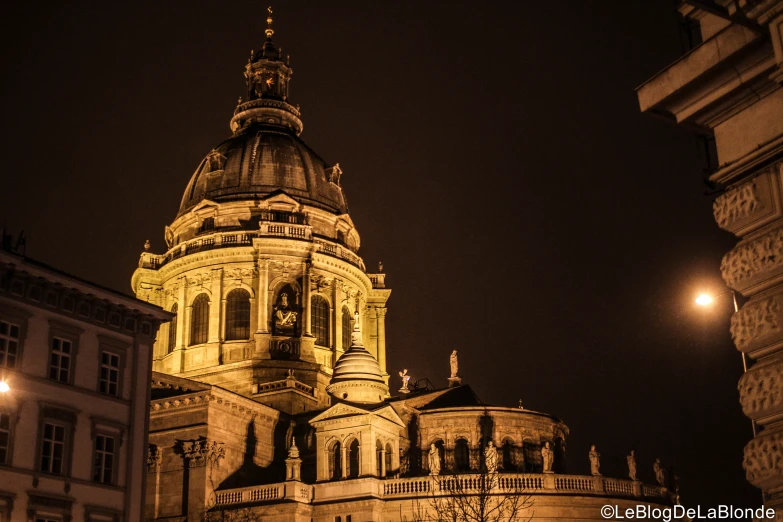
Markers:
(434, 460)
(632, 466)
(285, 319)
(491, 458)
(548, 456)
(595, 461)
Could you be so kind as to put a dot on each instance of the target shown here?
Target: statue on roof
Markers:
(632, 465)
(595, 461)
(660, 474)
(454, 364)
(491, 458)
(405, 378)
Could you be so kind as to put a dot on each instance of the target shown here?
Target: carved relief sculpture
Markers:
(756, 322)
(761, 390)
(735, 203)
(753, 258)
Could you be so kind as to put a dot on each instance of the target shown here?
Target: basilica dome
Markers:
(261, 159)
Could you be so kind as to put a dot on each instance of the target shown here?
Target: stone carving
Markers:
(755, 321)
(454, 363)
(283, 267)
(660, 473)
(491, 458)
(405, 378)
(199, 453)
(434, 460)
(736, 203)
(631, 465)
(289, 435)
(239, 273)
(595, 461)
(753, 258)
(764, 458)
(761, 390)
(154, 458)
(548, 457)
(319, 282)
(199, 279)
(147, 245)
(285, 317)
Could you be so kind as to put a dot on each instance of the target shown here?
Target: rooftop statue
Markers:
(595, 461)
(454, 364)
(632, 465)
(548, 456)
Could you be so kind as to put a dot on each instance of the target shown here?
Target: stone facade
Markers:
(73, 430)
(270, 397)
(729, 88)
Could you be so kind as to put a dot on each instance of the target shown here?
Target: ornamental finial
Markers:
(269, 31)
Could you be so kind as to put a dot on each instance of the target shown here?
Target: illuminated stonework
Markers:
(728, 88)
(272, 390)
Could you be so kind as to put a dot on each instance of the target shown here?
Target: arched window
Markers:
(508, 453)
(379, 459)
(335, 462)
(347, 326)
(319, 314)
(173, 330)
(389, 471)
(353, 459)
(199, 320)
(461, 455)
(238, 315)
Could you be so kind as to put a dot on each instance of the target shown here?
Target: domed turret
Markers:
(357, 375)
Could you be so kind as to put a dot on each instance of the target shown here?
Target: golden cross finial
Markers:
(269, 31)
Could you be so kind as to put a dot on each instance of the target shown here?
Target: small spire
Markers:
(269, 31)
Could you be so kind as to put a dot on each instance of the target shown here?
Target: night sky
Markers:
(495, 159)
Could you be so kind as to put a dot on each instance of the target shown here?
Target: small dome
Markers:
(357, 376)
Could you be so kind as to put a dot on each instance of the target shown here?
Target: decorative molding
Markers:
(240, 273)
(757, 324)
(200, 453)
(758, 257)
(154, 458)
(737, 202)
(763, 460)
(761, 391)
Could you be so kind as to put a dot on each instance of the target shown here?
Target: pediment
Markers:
(339, 410)
(281, 201)
(205, 204)
(388, 413)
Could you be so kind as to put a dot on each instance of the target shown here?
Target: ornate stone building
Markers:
(74, 362)
(728, 88)
(270, 390)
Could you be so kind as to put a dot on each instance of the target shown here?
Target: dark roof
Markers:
(444, 398)
(259, 160)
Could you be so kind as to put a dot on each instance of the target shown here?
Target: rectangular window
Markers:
(110, 374)
(52, 448)
(9, 344)
(60, 360)
(103, 463)
(5, 438)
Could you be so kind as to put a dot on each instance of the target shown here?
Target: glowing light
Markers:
(4, 388)
(703, 300)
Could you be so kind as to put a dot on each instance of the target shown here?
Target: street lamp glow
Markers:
(703, 300)
(4, 388)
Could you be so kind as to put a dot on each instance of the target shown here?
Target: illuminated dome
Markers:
(357, 376)
(265, 154)
(261, 159)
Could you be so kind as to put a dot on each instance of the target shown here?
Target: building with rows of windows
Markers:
(73, 420)
(270, 395)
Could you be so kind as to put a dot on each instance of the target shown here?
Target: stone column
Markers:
(337, 295)
(183, 324)
(382, 451)
(381, 313)
(306, 297)
(263, 295)
(344, 458)
(215, 308)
